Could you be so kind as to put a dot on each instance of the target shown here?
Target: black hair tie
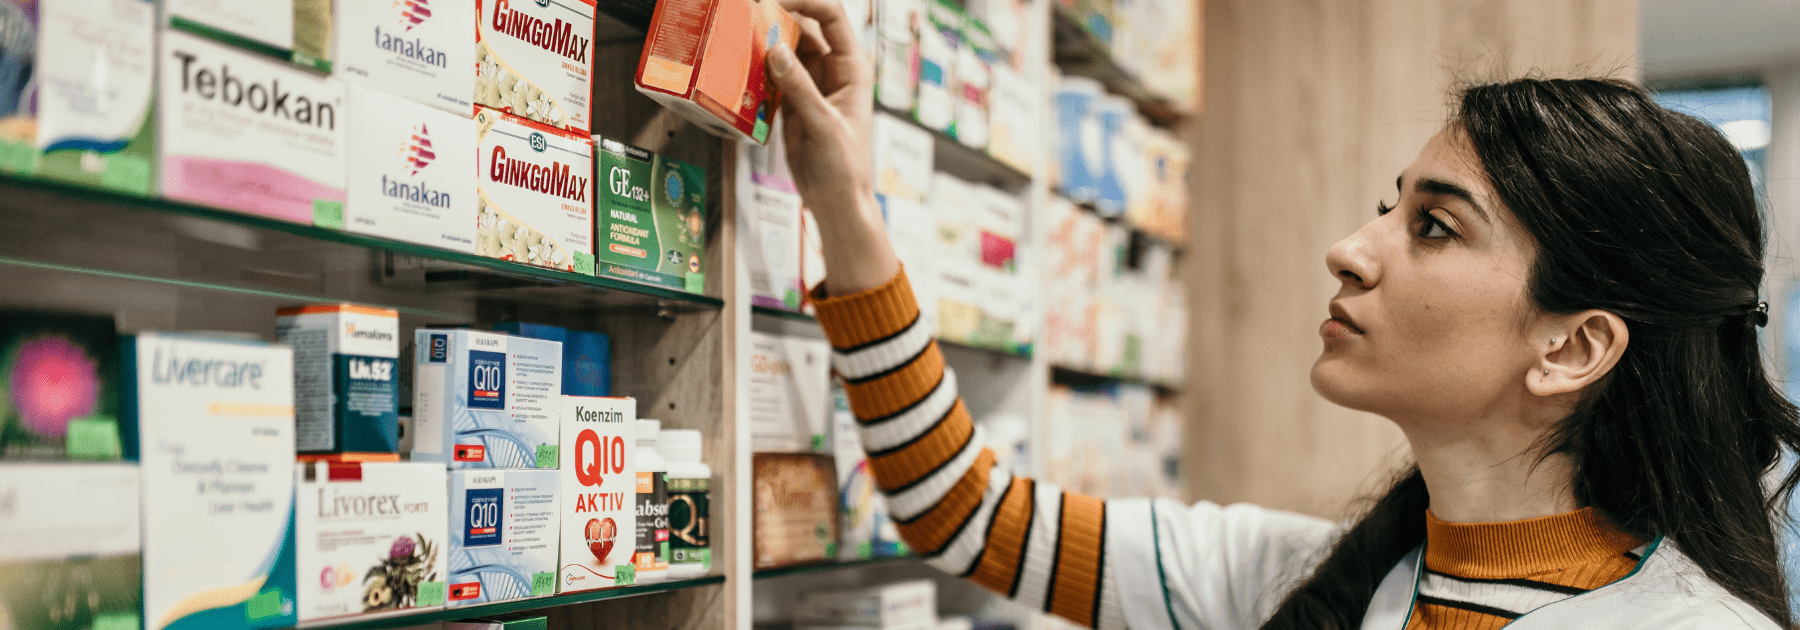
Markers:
(1758, 314)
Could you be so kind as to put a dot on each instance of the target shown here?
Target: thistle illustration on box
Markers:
(393, 583)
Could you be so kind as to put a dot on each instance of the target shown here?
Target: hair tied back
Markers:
(1758, 314)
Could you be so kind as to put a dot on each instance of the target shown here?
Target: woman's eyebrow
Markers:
(1440, 187)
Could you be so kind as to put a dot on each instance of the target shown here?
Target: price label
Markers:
(543, 583)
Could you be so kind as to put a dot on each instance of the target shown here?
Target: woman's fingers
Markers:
(845, 51)
(799, 94)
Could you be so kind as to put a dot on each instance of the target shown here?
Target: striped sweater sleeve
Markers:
(1026, 540)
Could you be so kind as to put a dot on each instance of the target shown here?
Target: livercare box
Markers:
(651, 227)
(534, 194)
(503, 535)
(534, 59)
(346, 389)
(370, 537)
(599, 493)
(410, 48)
(485, 400)
(244, 132)
(70, 556)
(705, 60)
(214, 421)
(411, 173)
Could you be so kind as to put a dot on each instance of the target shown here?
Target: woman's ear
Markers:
(1578, 353)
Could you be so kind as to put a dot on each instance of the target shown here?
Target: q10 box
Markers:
(503, 535)
(485, 400)
(599, 493)
(650, 224)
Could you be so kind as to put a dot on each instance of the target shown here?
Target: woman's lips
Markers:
(1340, 325)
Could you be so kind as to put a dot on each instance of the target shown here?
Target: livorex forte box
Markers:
(705, 60)
(244, 132)
(534, 193)
(411, 173)
(413, 49)
(503, 535)
(535, 60)
(71, 556)
(599, 493)
(214, 421)
(486, 400)
(346, 381)
(652, 225)
(370, 537)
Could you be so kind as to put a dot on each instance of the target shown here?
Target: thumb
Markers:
(800, 95)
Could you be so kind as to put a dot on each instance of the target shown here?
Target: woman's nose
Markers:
(1353, 260)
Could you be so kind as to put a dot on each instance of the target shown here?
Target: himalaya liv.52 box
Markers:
(417, 49)
(485, 400)
(503, 535)
(244, 132)
(411, 173)
(214, 421)
(534, 59)
(599, 493)
(345, 383)
(70, 558)
(370, 537)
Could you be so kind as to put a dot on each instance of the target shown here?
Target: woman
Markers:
(1558, 311)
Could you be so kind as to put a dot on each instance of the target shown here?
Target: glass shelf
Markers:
(1012, 350)
(952, 156)
(406, 618)
(1078, 52)
(1081, 377)
(827, 567)
(114, 240)
(783, 314)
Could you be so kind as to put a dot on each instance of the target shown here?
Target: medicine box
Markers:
(794, 499)
(706, 59)
(266, 22)
(534, 194)
(587, 356)
(417, 50)
(790, 380)
(411, 174)
(485, 400)
(534, 59)
(241, 131)
(346, 389)
(59, 376)
(1080, 139)
(71, 554)
(214, 420)
(770, 216)
(370, 537)
(908, 604)
(599, 493)
(503, 535)
(652, 224)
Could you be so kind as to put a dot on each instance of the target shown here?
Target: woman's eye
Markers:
(1433, 228)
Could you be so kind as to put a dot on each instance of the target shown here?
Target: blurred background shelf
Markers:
(827, 567)
(966, 162)
(400, 619)
(1079, 52)
(1082, 377)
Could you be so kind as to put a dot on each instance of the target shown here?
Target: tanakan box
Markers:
(705, 60)
(651, 227)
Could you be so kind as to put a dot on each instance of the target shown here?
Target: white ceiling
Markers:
(1686, 38)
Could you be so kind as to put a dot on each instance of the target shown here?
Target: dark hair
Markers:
(1649, 214)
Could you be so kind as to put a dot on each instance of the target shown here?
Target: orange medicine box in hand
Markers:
(704, 59)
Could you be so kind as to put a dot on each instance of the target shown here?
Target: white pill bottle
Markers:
(690, 493)
(652, 556)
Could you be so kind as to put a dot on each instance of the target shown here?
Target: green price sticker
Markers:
(543, 583)
(93, 438)
(624, 574)
(431, 593)
(328, 213)
(696, 283)
(263, 605)
(18, 157)
(127, 173)
(116, 621)
(584, 263)
(547, 455)
(865, 550)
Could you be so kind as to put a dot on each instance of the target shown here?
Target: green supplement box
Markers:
(650, 227)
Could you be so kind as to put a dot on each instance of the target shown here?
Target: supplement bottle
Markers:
(652, 557)
(690, 490)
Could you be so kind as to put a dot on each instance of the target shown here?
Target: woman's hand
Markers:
(827, 101)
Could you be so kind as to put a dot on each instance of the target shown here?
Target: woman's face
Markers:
(1430, 322)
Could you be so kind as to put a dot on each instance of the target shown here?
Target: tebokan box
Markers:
(599, 493)
(503, 535)
(705, 60)
(534, 193)
(370, 537)
(346, 393)
(534, 59)
(214, 421)
(244, 132)
(485, 400)
(651, 227)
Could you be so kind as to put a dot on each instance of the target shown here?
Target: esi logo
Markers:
(416, 152)
(487, 380)
(483, 516)
(538, 143)
(413, 12)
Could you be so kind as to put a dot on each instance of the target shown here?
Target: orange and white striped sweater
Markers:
(1158, 564)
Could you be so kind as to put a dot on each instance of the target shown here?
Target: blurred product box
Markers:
(534, 193)
(534, 60)
(587, 356)
(769, 220)
(1014, 138)
(415, 50)
(370, 537)
(706, 60)
(894, 606)
(865, 530)
(794, 509)
(71, 556)
(940, 38)
(59, 375)
(1080, 139)
(896, 27)
(789, 393)
(410, 172)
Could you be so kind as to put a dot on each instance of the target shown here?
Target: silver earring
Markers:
(1546, 372)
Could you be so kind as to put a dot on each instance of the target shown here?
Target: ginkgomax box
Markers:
(534, 59)
(534, 193)
(599, 493)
